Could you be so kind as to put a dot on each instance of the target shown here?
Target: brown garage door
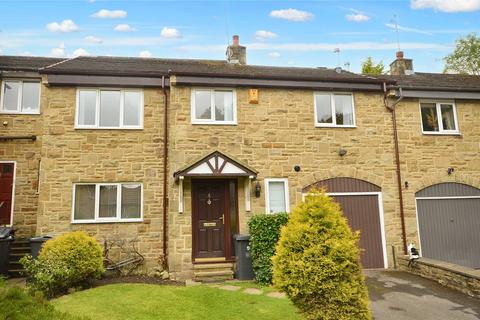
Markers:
(360, 204)
(363, 214)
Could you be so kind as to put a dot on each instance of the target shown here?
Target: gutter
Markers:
(165, 176)
(392, 108)
(7, 138)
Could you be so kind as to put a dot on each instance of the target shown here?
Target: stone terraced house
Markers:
(181, 153)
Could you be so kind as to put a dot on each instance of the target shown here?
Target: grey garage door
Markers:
(449, 223)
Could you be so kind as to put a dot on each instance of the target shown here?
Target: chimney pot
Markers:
(399, 54)
(236, 40)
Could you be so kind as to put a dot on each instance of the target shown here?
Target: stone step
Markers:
(14, 250)
(20, 243)
(213, 276)
(16, 273)
(16, 256)
(212, 266)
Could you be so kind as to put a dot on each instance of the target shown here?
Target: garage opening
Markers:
(448, 216)
(361, 202)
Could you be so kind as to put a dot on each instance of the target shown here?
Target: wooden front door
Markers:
(6, 192)
(209, 218)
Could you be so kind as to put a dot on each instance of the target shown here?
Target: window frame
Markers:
(97, 108)
(267, 194)
(212, 120)
(332, 106)
(20, 95)
(438, 104)
(118, 217)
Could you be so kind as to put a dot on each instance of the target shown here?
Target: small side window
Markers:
(276, 195)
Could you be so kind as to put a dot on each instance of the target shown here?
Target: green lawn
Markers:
(142, 301)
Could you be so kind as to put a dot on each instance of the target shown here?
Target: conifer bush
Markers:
(317, 262)
(68, 261)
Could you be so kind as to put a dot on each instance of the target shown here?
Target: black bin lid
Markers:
(241, 237)
(6, 232)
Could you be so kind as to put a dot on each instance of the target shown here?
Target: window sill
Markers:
(441, 133)
(108, 128)
(214, 123)
(20, 113)
(104, 221)
(334, 126)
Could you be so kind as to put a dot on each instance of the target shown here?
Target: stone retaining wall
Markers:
(457, 277)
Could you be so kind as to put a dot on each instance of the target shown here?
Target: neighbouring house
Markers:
(181, 153)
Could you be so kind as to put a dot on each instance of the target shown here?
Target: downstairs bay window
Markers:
(107, 202)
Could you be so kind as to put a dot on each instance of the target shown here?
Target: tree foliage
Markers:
(317, 262)
(465, 59)
(369, 67)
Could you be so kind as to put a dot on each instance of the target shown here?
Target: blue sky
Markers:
(295, 33)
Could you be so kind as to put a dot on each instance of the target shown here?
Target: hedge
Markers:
(264, 234)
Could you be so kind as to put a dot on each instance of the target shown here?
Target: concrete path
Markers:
(397, 295)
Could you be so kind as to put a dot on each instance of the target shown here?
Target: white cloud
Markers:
(110, 14)
(407, 29)
(145, 54)
(64, 26)
(80, 52)
(274, 54)
(123, 27)
(357, 17)
(58, 52)
(24, 53)
(170, 33)
(446, 5)
(93, 39)
(292, 15)
(262, 35)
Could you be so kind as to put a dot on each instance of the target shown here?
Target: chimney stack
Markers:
(401, 66)
(236, 53)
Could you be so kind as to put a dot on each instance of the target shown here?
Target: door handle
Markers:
(222, 218)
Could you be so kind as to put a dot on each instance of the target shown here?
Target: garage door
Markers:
(449, 223)
(361, 205)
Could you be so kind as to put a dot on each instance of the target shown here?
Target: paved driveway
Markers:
(397, 295)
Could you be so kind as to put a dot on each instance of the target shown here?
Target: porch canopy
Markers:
(216, 165)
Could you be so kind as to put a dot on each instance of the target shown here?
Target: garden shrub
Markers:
(264, 234)
(16, 304)
(68, 261)
(317, 262)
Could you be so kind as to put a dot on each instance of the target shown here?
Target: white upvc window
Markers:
(107, 202)
(438, 117)
(214, 106)
(334, 109)
(20, 96)
(276, 195)
(109, 109)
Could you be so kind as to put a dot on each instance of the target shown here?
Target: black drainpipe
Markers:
(392, 108)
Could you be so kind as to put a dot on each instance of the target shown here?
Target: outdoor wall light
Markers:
(296, 168)
(258, 188)
(342, 152)
(450, 170)
(406, 184)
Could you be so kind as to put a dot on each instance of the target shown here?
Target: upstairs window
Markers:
(20, 96)
(109, 109)
(276, 195)
(213, 106)
(334, 110)
(438, 117)
(107, 202)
